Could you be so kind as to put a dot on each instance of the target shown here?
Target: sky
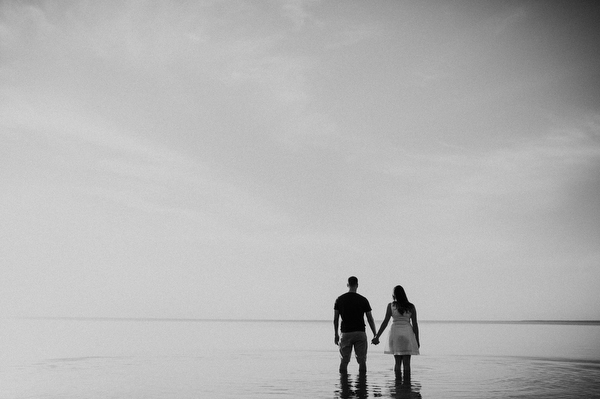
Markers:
(242, 159)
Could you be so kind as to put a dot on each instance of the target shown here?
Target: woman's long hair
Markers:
(401, 301)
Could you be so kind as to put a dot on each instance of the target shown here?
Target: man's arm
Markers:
(371, 323)
(336, 320)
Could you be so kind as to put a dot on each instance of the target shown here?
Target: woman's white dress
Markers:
(401, 338)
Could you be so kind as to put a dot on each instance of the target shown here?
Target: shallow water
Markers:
(258, 359)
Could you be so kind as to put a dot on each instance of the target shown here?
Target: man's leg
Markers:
(345, 353)
(345, 387)
(362, 367)
(360, 350)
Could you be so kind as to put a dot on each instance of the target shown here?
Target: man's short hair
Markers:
(352, 281)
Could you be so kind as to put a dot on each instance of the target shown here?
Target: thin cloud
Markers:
(531, 175)
(296, 11)
(259, 140)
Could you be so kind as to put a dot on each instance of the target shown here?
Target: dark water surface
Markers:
(60, 358)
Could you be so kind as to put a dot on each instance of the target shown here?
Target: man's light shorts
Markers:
(356, 340)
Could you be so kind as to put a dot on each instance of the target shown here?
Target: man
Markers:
(352, 307)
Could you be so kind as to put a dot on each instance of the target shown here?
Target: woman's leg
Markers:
(406, 364)
(398, 365)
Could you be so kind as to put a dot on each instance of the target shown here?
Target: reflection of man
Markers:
(352, 307)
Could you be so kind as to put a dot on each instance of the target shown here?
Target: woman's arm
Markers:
(415, 325)
(384, 323)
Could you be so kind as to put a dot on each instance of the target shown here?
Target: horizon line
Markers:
(178, 319)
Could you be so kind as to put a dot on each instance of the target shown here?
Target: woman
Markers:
(403, 340)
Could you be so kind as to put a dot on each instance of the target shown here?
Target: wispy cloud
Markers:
(265, 137)
(527, 176)
(296, 11)
(134, 172)
(504, 22)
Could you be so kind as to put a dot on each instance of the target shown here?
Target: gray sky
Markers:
(242, 159)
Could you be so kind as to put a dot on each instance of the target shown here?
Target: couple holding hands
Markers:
(403, 338)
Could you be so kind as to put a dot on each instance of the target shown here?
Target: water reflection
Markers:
(357, 387)
(353, 387)
(403, 389)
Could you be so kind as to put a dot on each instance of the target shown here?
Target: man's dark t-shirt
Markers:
(352, 308)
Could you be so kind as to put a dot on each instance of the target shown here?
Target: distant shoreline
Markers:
(570, 322)
(166, 319)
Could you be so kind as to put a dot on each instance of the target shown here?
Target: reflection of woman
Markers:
(403, 340)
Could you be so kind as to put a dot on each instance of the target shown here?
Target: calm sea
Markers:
(60, 358)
